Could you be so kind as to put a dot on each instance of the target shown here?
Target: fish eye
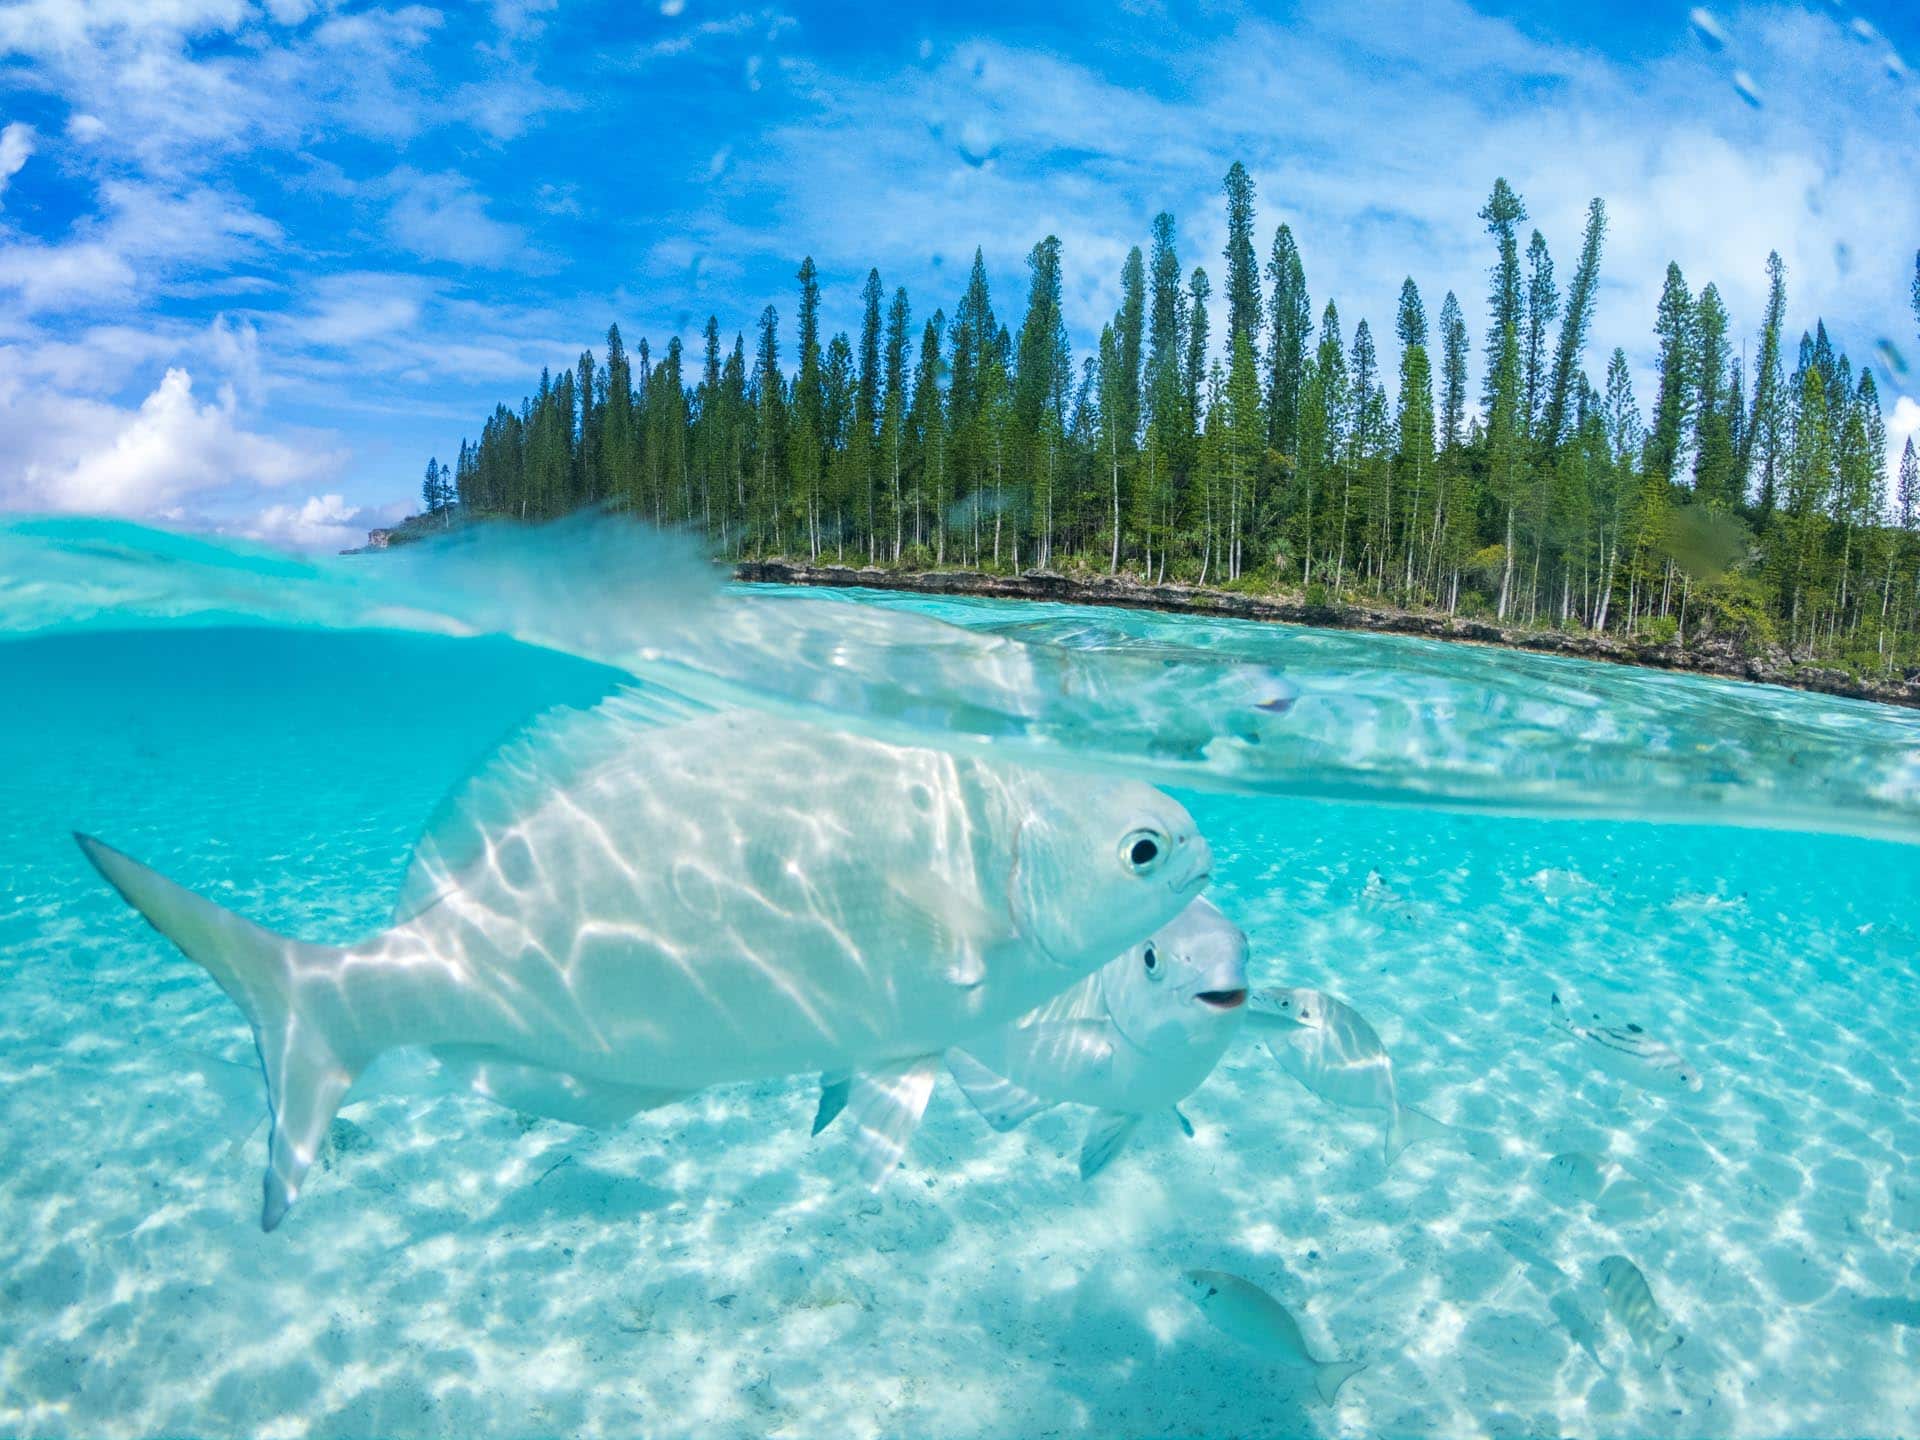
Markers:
(1143, 850)
(1152, 958)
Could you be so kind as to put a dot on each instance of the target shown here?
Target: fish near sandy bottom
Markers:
(630, 913)
(1630, 1301)
(1628, 1053)
(1244, 1311)
(1138, 1035)
(1328, 1046)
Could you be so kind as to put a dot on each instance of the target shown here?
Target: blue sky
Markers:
(260, 258)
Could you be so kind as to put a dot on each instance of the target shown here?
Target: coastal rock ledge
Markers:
(1708, 655)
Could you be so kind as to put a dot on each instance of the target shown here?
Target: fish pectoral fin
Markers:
(550, 1094)
(833, 1098)
(951, 924)
(1107, 1134)
(1185, 1124)
(885, 1107)
(1001, 1103)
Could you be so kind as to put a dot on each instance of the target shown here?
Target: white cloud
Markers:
(1903, 425)
(71, 453)
(144, 235)
(521, 19)
(508, 103)
(84, 129)
(320, 522)
(442, 217)
(47, 276)
(16, 145)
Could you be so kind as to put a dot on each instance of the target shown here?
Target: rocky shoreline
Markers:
(1712, 655)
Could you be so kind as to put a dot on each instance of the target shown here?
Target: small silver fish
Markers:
(1329, 1047)
(1628, 1053)
(1578, 1177)
(1136, 1036)
(1244, 1311)
(1630, 1301)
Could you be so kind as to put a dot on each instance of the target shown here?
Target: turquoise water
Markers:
(457, 1269)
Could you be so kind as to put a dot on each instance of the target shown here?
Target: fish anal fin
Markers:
(551, 1094)
(1107, 1134)
(885, 1107)
(1001, 1103)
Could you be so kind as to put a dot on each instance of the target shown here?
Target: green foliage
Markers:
(1266, 453)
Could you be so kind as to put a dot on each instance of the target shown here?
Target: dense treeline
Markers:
(1752, 501)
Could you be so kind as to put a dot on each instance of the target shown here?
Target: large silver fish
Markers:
(622, 914)
(1136, 1036)
(1329, 1047)
(1628, 1053)
(1243, 1310)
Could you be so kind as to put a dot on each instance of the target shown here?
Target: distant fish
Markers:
(1630, 1301)
(1577, 1177)
(1628, 1053)
(1557, 885)
(614, 914)
(1329, 1047)
(1244, 1311)
(1698, 902)
(1551, 1280)
(1377, 894)
(1579, 1325)
(1134, 1037)
(1889, 1309)
(1744, 87)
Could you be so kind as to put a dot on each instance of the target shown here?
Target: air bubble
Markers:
(1708, 27)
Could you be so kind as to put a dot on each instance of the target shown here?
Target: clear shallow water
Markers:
(708, 1269)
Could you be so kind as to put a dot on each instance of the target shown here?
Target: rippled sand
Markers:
(459, 1270)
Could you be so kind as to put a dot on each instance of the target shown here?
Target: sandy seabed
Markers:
(455, 1269)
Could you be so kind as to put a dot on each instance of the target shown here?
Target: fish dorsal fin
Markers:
(834, 1085)
(885, 1107)
(552, 753)
(1107, 1134)
(1001, 1103)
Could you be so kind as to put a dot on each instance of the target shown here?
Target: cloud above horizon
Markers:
(258, 261)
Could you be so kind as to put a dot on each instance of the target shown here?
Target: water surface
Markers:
(456, 1269)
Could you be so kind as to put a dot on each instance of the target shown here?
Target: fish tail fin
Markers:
(1409, 1127)
(1329, 1377)
(308, 1072)
(1557, 1012)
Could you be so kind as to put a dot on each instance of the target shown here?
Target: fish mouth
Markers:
(1194, 883)
(1223, 999)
